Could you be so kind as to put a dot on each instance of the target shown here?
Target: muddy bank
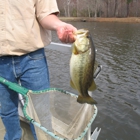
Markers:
(87, 19)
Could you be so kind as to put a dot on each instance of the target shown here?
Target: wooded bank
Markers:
(87, 19)
(99, 8)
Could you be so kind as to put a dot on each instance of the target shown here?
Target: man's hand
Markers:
(64, 30)
(66, 33)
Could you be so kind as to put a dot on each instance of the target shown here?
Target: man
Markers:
(24, 31)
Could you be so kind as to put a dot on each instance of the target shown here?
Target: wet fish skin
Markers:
(82, 66)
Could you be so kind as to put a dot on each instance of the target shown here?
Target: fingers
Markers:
(66, 33)
(68, 36)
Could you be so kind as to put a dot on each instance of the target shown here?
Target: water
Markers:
(118, 85)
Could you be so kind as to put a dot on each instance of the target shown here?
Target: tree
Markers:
(128, 3)
(67, 7)
(107, 7)
(77, 7)
(116, 8)
(96, 5)
(136, 9)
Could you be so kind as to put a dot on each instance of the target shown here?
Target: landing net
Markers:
(58, 114)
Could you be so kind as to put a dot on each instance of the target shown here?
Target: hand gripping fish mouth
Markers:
(82, 43)
(82, 66)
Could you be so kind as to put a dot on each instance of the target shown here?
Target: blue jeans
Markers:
(32, 72)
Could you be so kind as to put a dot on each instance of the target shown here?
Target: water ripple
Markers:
(118, 85)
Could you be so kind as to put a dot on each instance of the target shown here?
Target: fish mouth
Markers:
(81, 33)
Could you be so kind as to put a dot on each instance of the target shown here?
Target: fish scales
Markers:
(82, 67)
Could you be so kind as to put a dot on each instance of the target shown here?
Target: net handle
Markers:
(15, 87)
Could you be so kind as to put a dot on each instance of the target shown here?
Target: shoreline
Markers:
(99, 19)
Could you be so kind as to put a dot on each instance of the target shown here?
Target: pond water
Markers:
(118, 85)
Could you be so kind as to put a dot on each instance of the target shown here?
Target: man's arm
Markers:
(64, 30)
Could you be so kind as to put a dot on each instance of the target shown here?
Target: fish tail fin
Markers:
(88, 99)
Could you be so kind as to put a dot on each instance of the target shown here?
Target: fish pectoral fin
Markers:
(92, 87)
(72, 85)
(88, 99)
(74, 50)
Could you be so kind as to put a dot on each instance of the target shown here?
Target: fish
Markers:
(83, 66)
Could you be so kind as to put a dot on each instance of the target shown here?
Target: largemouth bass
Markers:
(82, 66)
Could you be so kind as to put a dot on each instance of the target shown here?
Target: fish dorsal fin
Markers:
(92, 87)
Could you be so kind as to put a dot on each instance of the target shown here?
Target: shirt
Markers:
(20, 31)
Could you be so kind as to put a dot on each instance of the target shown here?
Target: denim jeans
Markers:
(32, 72)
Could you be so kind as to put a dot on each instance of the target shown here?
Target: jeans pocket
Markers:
(36, 55)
